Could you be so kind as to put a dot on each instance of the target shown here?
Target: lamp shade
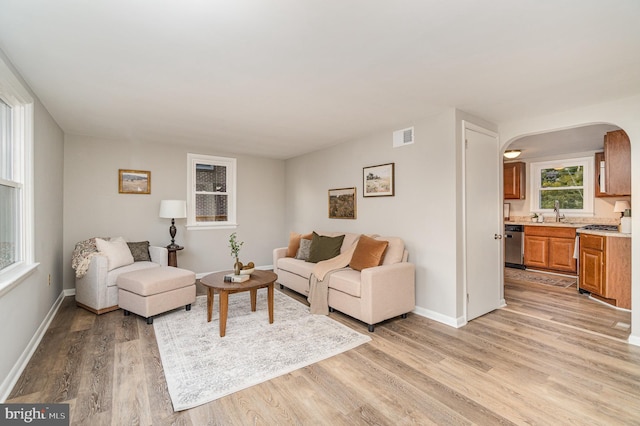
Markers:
(621, 206)
(173, 209)
(511, 154)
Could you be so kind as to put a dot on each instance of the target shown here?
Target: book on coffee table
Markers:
(233, 278)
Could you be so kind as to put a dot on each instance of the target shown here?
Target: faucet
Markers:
(556, 210)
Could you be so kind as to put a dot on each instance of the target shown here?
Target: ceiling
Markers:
(280, 78)
(567, 141)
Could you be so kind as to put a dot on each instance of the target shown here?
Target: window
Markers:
(211, 191)
(16, 180)
(569, 181)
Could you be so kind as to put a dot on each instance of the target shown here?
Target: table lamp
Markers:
(621, 206)
(173, 209)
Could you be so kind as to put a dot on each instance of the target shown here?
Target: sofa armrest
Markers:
(278, 253)
(388, 291)
(159, 255)
(91, 289)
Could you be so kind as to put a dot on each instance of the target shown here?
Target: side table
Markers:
(173, 255)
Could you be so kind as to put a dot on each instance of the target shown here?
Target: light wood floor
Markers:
(526, 364)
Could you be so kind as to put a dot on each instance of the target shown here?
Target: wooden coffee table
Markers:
(259, 279)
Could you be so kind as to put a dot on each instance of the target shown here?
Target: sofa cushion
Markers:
(294, 243)
(368, 253)
(346, 281)
(304, 249)
(394, 252)
(324, 248)
(140, 251)
(295, 266)
(117, 252)
(349, 238)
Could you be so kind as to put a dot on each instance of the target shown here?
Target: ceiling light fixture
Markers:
(512, 153)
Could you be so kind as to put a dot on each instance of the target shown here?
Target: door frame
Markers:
(466, 125)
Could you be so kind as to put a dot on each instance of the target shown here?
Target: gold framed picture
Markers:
(342, 203)
(134, 182)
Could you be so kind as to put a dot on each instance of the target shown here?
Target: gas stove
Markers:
(600, 227)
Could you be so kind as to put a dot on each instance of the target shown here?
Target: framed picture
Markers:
(378, 181)
(134, 182)
(342, 203)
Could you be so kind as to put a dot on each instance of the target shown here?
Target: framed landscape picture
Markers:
(134, 182)
(342, 203)
(378, 181)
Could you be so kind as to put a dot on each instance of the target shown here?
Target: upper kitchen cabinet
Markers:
(514, 181)
(614, 165)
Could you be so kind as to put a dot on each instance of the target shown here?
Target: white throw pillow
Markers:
(116, 250)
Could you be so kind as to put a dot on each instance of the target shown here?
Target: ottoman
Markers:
(150, 292)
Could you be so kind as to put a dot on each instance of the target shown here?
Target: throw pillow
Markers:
(303, 250)
(369, 252)
(324, 248)
(140, 251)
(294, 243)
(117, 252)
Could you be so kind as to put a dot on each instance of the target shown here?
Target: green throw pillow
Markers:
(140, 251)
(323, 248)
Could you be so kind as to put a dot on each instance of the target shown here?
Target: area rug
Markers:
(200, 366)
(521, 275)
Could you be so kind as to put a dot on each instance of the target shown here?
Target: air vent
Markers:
(403, 137)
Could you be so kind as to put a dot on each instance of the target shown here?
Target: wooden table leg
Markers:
(224, 307)
(209, 303)
(270, 302)
(254, 294)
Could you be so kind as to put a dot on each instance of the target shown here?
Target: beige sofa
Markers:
(372, 295)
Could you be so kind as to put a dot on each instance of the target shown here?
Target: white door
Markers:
(483, 210)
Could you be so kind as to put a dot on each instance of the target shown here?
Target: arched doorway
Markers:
(561, 146)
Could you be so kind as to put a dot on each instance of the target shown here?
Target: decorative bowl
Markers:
(247, 271)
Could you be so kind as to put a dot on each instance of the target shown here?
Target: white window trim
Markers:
(588, 185)
(15, 95)
(231, 164)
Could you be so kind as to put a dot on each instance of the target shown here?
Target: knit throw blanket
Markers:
(82, 254)
(319, 279)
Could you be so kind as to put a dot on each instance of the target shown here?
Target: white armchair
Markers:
(97, 291)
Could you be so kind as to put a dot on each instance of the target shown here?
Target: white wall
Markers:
(422, 212)
(93, 206)
(28, 306)
(623, 113)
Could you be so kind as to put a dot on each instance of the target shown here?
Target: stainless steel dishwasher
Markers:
(514, 246)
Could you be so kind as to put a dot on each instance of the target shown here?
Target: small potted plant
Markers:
(235, 245)
(534, 217)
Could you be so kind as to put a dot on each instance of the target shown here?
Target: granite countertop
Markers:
(569, 225)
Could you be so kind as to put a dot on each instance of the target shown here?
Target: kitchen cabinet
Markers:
(605, 268)
(617, 169)
(550, 248)
(514, 176)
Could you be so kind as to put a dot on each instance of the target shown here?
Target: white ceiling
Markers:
(279, 78)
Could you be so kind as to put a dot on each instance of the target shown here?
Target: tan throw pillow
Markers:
(294, 243)
(117, 252)
(368, 253)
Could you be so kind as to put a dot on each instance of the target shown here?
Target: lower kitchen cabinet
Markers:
(605, 268)
(550, 248)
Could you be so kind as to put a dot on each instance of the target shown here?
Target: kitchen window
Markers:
(569, 181)
(16, 181)
(211, 192)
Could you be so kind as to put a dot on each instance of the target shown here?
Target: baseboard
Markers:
(69, 292)
(12, 378)
(634, 340)
(450, 321)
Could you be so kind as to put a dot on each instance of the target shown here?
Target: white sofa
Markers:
(372, 295)
(97, 291)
